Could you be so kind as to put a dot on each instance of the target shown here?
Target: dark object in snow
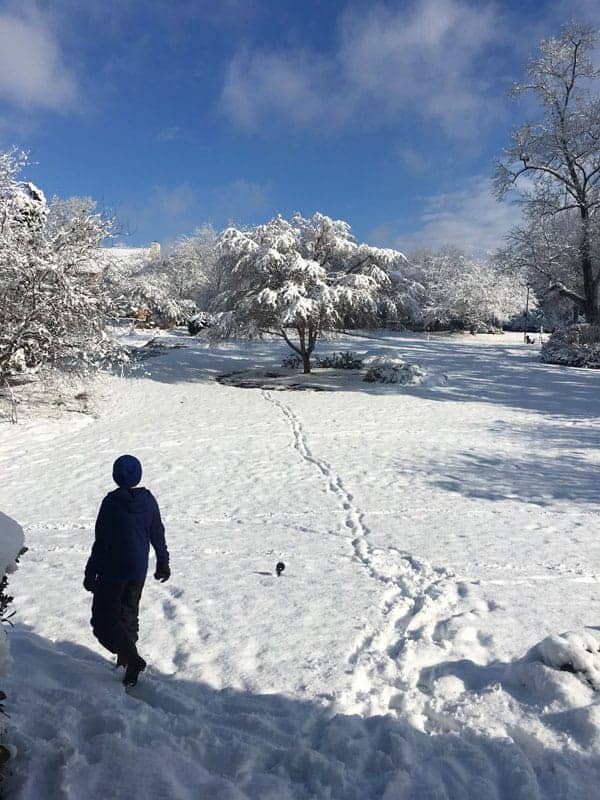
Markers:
(132, 672)
(279, 568)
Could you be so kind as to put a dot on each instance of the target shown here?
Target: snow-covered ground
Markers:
(432, 536)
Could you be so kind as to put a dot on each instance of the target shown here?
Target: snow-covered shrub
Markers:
(562, 669)
(293, 361)
(381, 369)
(198, 322)
(578, 346)
(484, 327)
(341, 360)
(11, 547)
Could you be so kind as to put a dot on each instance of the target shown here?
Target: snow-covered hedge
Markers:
(11, 544)
(341, 360)
(11, 547)
(578, 346)
(338, 360)
(383, 369)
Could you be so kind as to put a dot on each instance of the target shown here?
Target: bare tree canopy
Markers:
(559, 155)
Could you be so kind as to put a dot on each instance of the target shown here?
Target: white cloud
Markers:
(32, 69)
(470, 218)
(261, 86)
(423, 59)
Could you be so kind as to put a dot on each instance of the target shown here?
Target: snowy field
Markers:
(431, 535)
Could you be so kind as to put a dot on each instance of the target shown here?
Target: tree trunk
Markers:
(590, 283)
(304, 350)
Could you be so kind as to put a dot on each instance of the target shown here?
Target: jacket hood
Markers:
(134, 501)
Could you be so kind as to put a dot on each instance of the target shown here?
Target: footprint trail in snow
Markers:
(385, 666)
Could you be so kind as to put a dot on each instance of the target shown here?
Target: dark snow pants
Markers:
(115, 621)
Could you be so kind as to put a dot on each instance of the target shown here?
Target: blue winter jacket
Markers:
(128, 523)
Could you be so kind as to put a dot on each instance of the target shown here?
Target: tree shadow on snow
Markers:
(80, 735)
(203, 362)
(539, 480)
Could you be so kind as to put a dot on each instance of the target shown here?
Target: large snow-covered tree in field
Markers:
(560, 153)
(52, 306)
(296, 278)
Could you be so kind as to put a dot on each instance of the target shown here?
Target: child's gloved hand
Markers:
(163, 571)
(89, 583)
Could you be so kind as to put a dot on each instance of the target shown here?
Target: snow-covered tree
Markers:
(190, 266)
(559, 154)
(52, 306)
(297, 278)
(464, 291)
(170, 288)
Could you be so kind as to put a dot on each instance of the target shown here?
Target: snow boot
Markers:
(132, 672)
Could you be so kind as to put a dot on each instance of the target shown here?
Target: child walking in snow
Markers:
(128, 523)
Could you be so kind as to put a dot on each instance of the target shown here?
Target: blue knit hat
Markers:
(127, 471)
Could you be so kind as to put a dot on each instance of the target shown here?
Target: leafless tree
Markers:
(560, 153)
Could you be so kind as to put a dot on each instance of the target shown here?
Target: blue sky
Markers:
(387, 114)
